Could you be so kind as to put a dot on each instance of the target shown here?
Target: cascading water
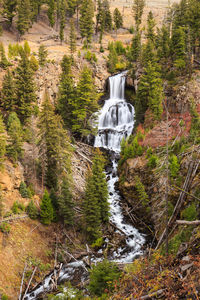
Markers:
(116, 121)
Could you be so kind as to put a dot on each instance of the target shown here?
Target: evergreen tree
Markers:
(107, 15)
(112, 60)
(15, 137)
(135, 47)
(27, 48)
(85, 104)
(2, 140)
(62, 21)
(138, 8)
(51, 12)
(163, 42)
(25, 89)
(117, 18)
(53, 145)
(71, 7)
(3, 60)
(42, 55)
(24, 16)
(72, 38)
(86, 20)
(66, 203)
(23, 190)
(7, 99)
(150, 35)
(179, 48)
(32, 210)
(95, 205)
(9, 10)
(46, 209)
(66, 92)
(149, 93)
(34, 64)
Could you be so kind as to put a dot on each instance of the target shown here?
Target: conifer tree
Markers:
(66, 203)
(32, 210)
(24, 16)
(66, 92)
(51, 12)
(2, 140)
(117, 18)
(72, 38)
(9, 10)
(179, 48)
(7, 101)
(25, 89)
(135, 47)
(107, 15)
(71, 7)
(138, 8)
(150, 92)
(3, 60)
(27, 48)
(62, 21)
(46, 209)
(150, 35)
(85, 104)
(163, 43)
(86, 21)
(53, 145)
(42, 55)
(112, 60)
(95, 205)
(15, 137)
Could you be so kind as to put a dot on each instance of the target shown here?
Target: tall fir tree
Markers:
(2, 141)
(7, 100)
(138, 8)
(135, 51)
(72, 38)
(84, 104)
(9, 10)
(66, 204)
(42, 55)
(149, 93)
(46, 209)
(51, 12)
(25, 89)
(24, 16)
(62, 21)
(15, 137)
(179, 48)
(117, 18)
(86, 21)
(3, 59)
(150, 34)
(66, 92)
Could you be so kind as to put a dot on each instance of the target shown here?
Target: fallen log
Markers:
(183, 222)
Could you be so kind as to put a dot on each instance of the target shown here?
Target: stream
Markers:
(116, 121)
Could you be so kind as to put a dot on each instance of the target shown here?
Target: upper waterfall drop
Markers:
(116, 118)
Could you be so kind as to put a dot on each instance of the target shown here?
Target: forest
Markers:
(56, 209)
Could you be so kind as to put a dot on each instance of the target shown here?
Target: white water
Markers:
(116, 120)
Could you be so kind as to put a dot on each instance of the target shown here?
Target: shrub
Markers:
(34, 63)
(5, 227)
(143, 197)
(174, 166)
(23, 190)
(190, 213)
(152, 161)
(32, 210)
(17, 207)
(103, 276)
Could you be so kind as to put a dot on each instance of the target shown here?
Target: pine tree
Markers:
(27, 48)
(135, 47)
(95, 205)
(3, 60)
(85, 104)
(62, 21)
(34, 64)
(163, 43)
(9, 10)
(24, 16)
(72, 38)
(7, 101)
(107, 15)
(66, 92)
(42, 55)
(51, 12)
(149, 93)
(112, 60)
(53, 145)
(86, 20)
(117, 18)
(15, 137)
(91, 210)
(25, 89)
(71, 7)
(32, 210)
(46, 209)
(150, 35)
(2, 140)
(138, 8)
(179, 48)
(66, 203)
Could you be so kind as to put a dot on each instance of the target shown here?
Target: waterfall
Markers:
(116, 121)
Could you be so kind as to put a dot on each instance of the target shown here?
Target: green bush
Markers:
(142, 195)
(174, 166)
(23, 190)
(190, 213)
(102, 277)
(17, 207)
(130, 148)
(5, 227)
(32, 210)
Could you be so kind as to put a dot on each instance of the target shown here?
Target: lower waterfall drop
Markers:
(116, 121)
